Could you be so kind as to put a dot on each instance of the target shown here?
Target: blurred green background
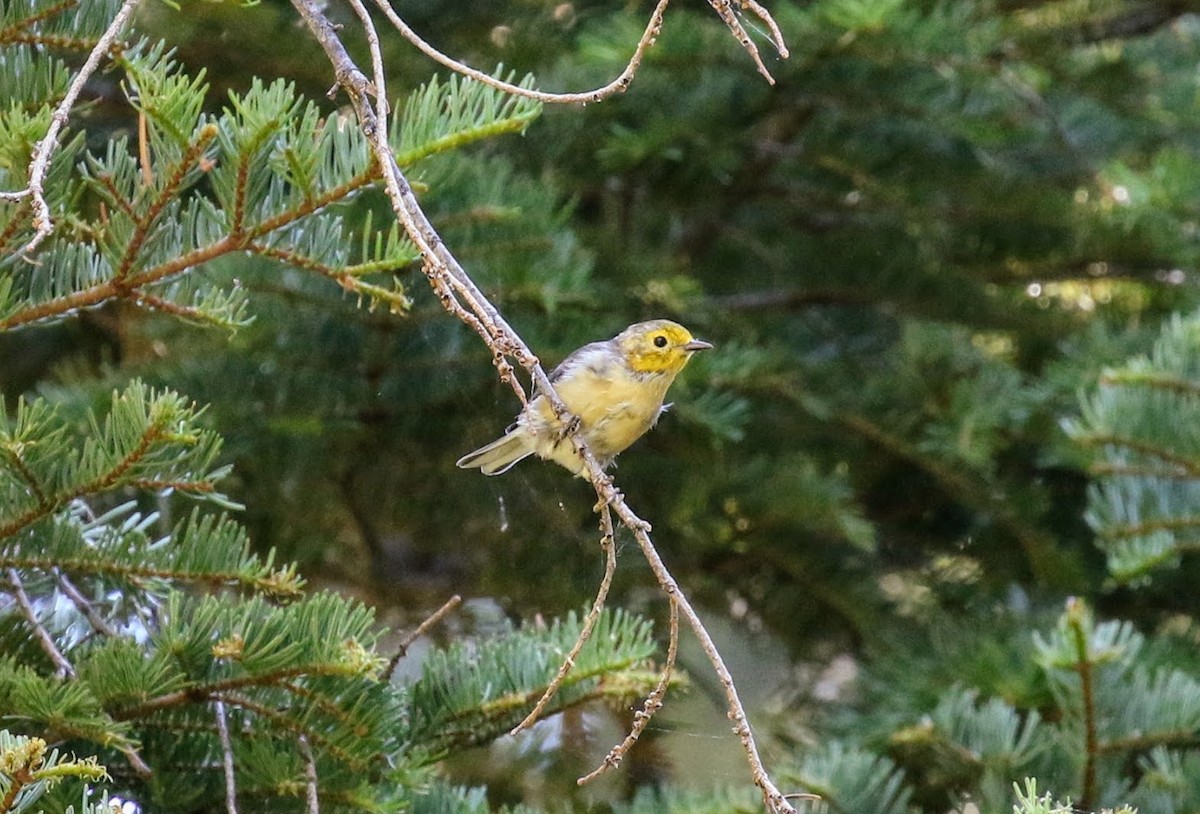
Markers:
(914, 253)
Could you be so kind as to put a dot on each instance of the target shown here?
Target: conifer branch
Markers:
(116, 288)
(1132, 471)
(13, 453)
(653, 703)
(589, 622)
(187, 313)
(202, 691)
(1083, 666)
(170, 190)
(1114, 532)
(1158, 381)
(226, 757)
(1168, 456)
(13, 227)
(344, 276)
(420, 630)
(277, 583)
(456, 288)
(12, 34)
(50, 503)
(39, 165)
(63, 668)
(21, 776)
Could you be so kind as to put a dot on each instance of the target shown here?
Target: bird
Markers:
(613, 389)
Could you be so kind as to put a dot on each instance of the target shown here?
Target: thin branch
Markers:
(618, 85)
(1168, 456)
(39, 166)
(1083, 666)
(728, 15)
(421, 629)
(82, 604)
(454, 286)
(653, 703)
(775, 800)
(310, 777)
(63, 668)
(226, 757)
(224, 688)
(589, 622)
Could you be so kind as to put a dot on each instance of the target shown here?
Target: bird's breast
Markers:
(614, 409)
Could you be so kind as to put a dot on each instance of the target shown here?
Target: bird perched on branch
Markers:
(615, 391)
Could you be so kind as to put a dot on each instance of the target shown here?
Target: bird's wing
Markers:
(577, 357)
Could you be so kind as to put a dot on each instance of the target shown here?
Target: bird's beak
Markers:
(697, 344)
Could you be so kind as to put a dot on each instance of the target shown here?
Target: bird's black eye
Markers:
(660, 341)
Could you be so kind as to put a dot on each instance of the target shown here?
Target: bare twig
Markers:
(775, 800)
(728, 15)
(460, 295)
(618, 85)
(63, 668)
(313, 805)
(226, 757)
(589, 622)
(39, 165)
(653, 703)
(82, 604)
(421, 629)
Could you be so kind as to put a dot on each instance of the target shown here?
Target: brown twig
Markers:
(724, 9)
(589, 623)
(454, 286)
(1083, 666)
(39, 165)
(312, 802)
(420, 630)
(63, 668)
(775, 800)
(728, 15)
(618, 85)
(226, 757)
(653, 703)
(82, 604)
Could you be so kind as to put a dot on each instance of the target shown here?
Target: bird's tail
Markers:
(500, 455)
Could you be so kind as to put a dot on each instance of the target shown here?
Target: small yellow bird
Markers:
(615, 389)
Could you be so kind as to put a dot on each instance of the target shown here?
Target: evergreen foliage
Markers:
(949, 262)
(1142, 422)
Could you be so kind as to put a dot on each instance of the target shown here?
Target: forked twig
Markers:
(453, 284)
(653, 703)
(39, 165)
(728, 15)
(589, 623)
(420, 630)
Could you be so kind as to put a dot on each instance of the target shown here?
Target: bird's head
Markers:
(658, 346)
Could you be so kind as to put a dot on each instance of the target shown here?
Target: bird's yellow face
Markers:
(658, 346)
